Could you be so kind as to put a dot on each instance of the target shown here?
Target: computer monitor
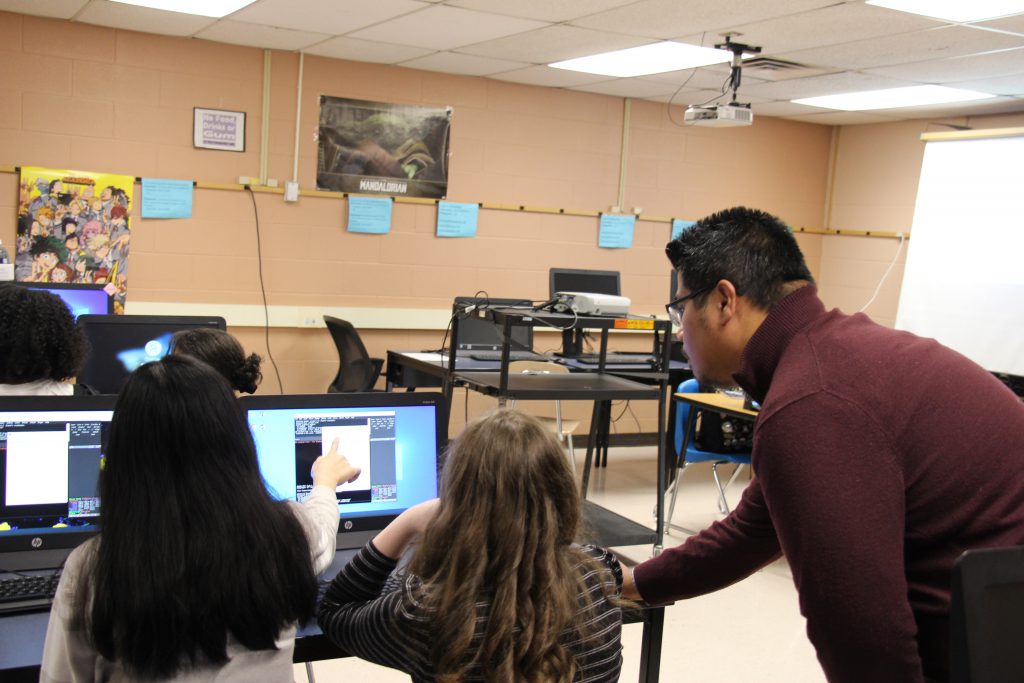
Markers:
(121, 343)
(591, 281)
(81, 299)
(50, 450)
(480, 334)
(395, 438)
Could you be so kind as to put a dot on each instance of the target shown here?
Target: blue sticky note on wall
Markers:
(679, 225)
(369, 214)
(455, 219)
(162, 198)
(616, 231)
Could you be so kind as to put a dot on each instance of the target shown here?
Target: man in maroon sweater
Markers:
(879, 456)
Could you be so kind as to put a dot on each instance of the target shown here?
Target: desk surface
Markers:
(720, 402)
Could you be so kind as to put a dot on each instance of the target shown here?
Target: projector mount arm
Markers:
(737, 50)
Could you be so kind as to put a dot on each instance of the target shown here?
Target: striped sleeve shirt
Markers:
(376, 619)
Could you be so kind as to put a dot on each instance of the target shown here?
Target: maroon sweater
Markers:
(879, 457)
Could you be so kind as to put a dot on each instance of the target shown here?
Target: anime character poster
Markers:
(380, 148)
(73, 227)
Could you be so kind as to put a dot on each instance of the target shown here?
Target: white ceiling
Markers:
(841, 46)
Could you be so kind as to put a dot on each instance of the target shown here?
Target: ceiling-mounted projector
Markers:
(719, 115)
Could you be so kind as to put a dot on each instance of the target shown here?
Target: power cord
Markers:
(263, 290)
(886, 274)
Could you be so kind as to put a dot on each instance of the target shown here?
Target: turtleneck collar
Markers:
(762, 353)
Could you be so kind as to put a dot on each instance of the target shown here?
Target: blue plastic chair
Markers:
(692, 454)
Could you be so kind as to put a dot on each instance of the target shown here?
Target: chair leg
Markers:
(309, 672)
(735, 473)
(723, 504)
(675, 493)
(572, 453)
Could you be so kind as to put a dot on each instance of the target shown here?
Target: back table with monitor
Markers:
(575, 280)
(395, 438)
(121, 343)
(81, 299)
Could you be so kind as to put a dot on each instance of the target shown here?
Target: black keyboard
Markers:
(619, 359)
(24, 593)
(512, 355)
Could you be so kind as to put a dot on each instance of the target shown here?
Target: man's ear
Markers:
(725, 301)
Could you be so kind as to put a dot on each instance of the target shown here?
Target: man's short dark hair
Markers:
(753, 250)
(38, 337)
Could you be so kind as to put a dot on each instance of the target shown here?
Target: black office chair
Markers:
(357, 371)
(987, 616)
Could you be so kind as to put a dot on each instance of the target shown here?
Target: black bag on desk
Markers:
(719, 433)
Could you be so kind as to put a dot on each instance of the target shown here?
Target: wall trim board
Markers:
(976, 134)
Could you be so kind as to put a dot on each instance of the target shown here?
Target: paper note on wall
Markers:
(163, 198)
(456, 219)
(616, 232)
(679, 225)
(369, 214)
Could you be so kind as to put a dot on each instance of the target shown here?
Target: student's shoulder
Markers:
(602, 558)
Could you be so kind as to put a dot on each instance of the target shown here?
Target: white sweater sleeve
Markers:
(68, 656)
(318, 515)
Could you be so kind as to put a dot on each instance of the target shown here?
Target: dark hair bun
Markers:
(248, 376)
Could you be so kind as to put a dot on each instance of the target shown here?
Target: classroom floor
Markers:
(751, 631)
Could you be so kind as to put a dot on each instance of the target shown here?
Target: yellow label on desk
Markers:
(634, 324)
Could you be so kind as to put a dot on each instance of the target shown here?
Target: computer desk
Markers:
(22, 637)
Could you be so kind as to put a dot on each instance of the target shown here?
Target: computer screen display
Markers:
(394, 438)
(50, 451)
(84, 299)
(121, 343)
(482, 334)
(590, 281)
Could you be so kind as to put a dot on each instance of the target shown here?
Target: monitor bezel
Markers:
(554, 272)
(354, 532)
(39, 546)
(72, 286)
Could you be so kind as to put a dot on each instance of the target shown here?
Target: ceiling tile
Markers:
(1014, 24)
(256, 35)
(703, 97)
(785, 109)
(840, 23)
(366, 50)
(669, 18)
(978, 108)
(324, 16)
(58, 9)
(118, 15)
(842, 118)
(1007, 85)
(829, 84)
(467, 65)
(553, 44)
(699, 78)
(628, 87)
(943, 71)
(444, 28)
(546, 76)
(937, 43)
(542, 10)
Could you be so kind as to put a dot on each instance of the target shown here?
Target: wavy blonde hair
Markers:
(509, 514)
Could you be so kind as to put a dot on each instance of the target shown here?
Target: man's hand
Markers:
(332, 469)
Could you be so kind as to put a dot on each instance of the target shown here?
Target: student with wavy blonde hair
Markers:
(497, 590)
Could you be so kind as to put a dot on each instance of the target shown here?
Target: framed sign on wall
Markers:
(218, 129)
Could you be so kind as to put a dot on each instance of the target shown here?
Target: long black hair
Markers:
(192, 547)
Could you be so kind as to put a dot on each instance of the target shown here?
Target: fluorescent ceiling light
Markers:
(955, 10)
(655, 58)
(893, 98)
(204, 8)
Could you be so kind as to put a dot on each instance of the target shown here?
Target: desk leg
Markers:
(595, 419)
(312, 679)
(605, 435)
(650, 648)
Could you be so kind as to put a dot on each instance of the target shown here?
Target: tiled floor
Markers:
(749, 632)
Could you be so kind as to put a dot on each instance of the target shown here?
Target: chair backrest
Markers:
(355, 369)
(689, 386)
(518, 367)
(987, 616)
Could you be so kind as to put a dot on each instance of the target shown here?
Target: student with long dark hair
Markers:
(497, 590)
(197, 574)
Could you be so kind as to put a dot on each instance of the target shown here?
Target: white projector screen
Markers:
(964, 279)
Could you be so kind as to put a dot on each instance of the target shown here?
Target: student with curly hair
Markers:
(224, 353)
(41, 348)
(497, 590)
(198, 574)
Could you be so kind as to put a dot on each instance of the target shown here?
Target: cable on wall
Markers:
(886, 274)
(263, 291)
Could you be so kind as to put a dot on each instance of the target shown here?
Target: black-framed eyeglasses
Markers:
(676, 306)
